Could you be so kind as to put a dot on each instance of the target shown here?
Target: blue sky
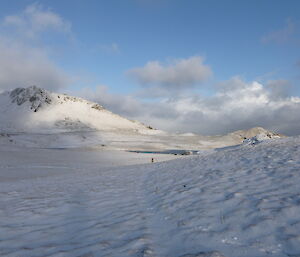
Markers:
(106, 45)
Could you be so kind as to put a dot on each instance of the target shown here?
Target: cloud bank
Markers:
(22, 61)
(180, 73)
(24, 66)
(236, 105)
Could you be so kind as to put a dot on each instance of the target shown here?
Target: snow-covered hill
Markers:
(36, 117)
(34, 109)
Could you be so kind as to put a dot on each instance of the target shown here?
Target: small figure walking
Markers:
(152, 159)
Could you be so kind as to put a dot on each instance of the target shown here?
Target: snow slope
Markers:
(34, 109)
(236, 202)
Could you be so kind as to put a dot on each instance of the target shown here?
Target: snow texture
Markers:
(235, 202)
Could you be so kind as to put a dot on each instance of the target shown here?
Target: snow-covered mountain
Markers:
(35, 109)
(37, 117)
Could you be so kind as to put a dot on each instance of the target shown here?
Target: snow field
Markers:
(241, 201)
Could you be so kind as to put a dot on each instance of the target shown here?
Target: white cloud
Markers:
(242, 107)
(121, 104)
(179, 74)
(34, 20)
(282, 35)
(22, 66)
(22, 62)
(129, 106)
(279, 88)
(236, 105)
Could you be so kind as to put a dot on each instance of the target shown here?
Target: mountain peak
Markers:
(36, 96)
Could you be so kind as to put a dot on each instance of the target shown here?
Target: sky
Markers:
(208, 67)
